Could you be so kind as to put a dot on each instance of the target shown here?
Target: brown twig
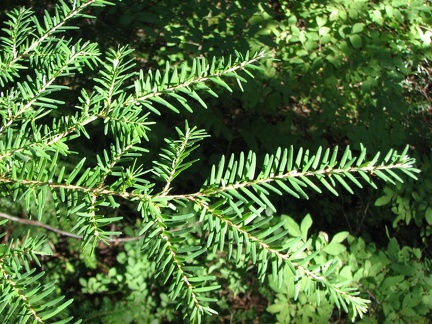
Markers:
(60, 232)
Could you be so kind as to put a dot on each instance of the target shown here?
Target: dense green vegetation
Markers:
(164, 162)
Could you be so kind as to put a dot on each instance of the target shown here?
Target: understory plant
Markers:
(397, 280)
(49, 165)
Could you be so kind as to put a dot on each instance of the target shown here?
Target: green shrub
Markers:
(412, 203)
(396, 280)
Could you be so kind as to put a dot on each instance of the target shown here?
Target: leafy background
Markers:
(346, 72)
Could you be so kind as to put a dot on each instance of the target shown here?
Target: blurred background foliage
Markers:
(346, 72)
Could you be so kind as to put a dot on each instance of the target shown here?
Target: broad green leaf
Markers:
(334, 248)
(305, 225)
(275, 308)
(393, 250)
(340, 237)
(428, 215)
(383, 200)
(321, 20)
(357, 28)
(292, 226)
(356, 41)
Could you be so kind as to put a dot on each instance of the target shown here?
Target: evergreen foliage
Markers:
(230, 214)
